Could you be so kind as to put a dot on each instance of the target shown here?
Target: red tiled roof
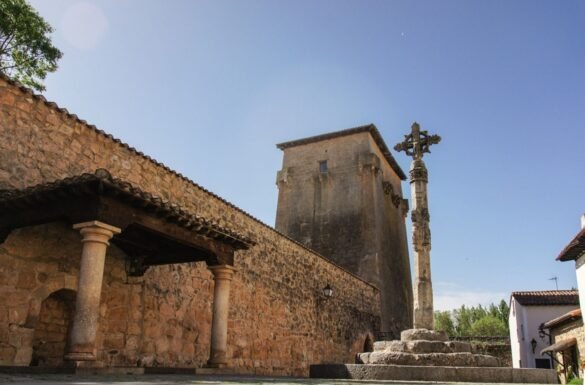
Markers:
(560, 346)
(547, 297)
(371, 128)
(106, 184)
(573, 315)
(574, 249)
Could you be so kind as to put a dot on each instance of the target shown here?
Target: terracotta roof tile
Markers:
(106, 184)
(547, 297)
(573, 315)
(574, 249)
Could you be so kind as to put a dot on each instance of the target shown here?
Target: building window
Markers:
(542, 363)
(323, 166)
(522, 332)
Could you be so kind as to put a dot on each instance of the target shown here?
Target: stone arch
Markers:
(368, 344)
(54, 282)
(52, 327)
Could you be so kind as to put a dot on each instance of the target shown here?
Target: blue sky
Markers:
(209, 87)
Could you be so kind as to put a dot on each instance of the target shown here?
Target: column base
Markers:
(79, 356)
(215, 365)
(212, 371)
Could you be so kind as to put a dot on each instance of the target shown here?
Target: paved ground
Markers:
(149, 379)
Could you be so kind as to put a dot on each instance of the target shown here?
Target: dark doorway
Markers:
(52, 329)
(368, 344)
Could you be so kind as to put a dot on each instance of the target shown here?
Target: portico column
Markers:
(91, 272)
(222, 275)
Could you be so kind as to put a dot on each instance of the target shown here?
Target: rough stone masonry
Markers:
(278, 321)
(340, 194)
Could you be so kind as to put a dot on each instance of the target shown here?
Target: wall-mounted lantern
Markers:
(327, 292)
(533, 343)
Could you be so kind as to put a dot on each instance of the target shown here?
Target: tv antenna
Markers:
(556, 279)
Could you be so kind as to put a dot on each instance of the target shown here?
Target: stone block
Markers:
(433, 373)
(7, 353)
(23, 356)
(423, 334)
(17, 314)
(459, 347)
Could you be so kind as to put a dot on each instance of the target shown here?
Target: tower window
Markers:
(323, 166)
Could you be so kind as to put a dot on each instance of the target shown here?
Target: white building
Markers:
(528, 310)
(575, 251)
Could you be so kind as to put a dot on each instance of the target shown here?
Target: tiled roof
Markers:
(105, 184)
(560, 346)
(547, 297)
(54, 106)
(574, 249)
(371, 128)
(573, 315)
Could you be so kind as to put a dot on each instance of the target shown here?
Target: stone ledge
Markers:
(423, 346)
(429, 359)
(423, 334)
(214, 371)
(433, 373)
(118, 370)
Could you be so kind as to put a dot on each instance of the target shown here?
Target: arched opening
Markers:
(368, 344)
(52, 329)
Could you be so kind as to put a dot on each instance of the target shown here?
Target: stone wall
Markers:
(503, 351)
(573, 329)
(278, 322)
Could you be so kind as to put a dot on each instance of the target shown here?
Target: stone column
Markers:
(222, 275)
(416, 144)
(85, 320)
(421, 239)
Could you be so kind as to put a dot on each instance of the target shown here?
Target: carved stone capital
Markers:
(282, 176)
(418, 172)
(421, 237)
(420, 216)
(389, 190)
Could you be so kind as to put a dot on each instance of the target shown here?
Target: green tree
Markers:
(465, 321)
(444, 322)
(504, 312)
(26, 51)
(489, 326)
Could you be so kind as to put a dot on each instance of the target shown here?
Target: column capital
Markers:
(96, 231)
(222, 272)
(418, 171)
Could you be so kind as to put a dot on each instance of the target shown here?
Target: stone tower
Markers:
(340, 194)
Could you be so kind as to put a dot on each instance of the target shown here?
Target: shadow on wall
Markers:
(51, 334)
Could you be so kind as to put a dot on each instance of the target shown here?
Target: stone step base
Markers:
(423, 346)
(433, 373)
(429, 359)
(110, 370)
(423, 334)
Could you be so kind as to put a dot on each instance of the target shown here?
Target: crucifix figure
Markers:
(415, 145)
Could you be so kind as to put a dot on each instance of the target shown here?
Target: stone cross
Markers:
(415, 145)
